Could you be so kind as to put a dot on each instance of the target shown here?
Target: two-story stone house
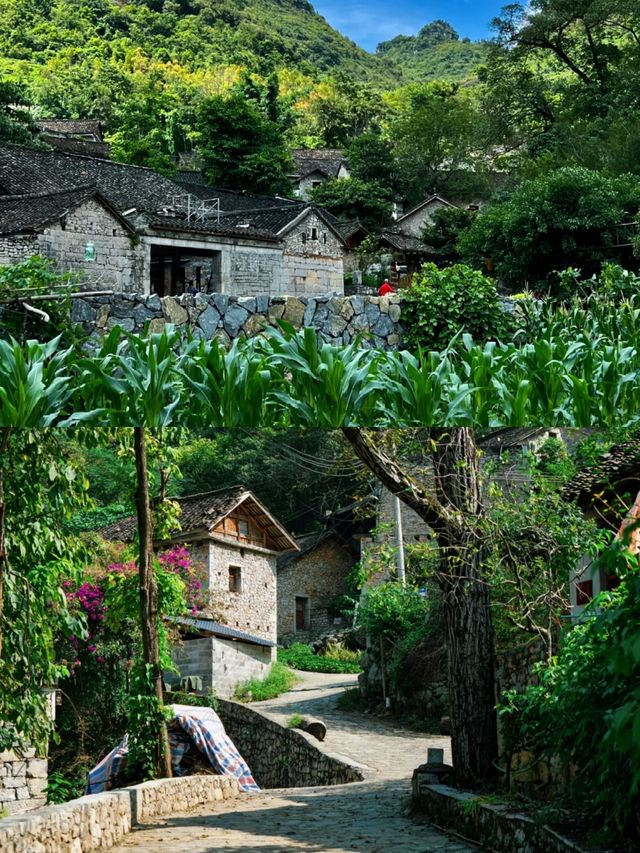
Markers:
(235, 542)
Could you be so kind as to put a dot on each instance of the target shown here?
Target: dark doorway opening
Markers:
(176, 270)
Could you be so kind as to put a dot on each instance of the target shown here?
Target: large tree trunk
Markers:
(453, 514)
(149, 592)
(467, 611)
(4, 565)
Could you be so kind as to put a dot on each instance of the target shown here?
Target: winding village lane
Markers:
(365, 816)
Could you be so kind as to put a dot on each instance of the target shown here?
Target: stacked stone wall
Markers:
(338, 319)
(23, 779)
(280, 757)
(100, 821)
(319, 575)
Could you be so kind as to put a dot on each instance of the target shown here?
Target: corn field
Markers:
(577, 366)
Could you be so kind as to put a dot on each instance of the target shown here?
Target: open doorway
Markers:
(177, 269)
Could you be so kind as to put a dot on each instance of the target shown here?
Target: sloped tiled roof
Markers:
(424, 203)
(72, 145)
(26, 170)
(210, 626)
(73, 127)
(30, 213)
(404, 242)
(224, 228)
(202, 512)
(327, 161)
(620, 465)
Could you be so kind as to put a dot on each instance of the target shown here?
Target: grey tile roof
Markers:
(201, 513)
(209, 626)
(404, 242)
(72, 145)
(30, 213)
(618, 467)
(27, 170)
(327, 161)
(89, 128)
(224, 228)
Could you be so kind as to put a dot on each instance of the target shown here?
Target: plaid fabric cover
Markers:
(102, 776)
(208, 734)
(201, 725)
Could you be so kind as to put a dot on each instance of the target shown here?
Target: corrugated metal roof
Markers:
(219, 630)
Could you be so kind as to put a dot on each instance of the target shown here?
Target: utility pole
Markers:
(399, 541)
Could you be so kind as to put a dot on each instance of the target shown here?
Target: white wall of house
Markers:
(585, 579)
(222, 664)
(313, 259)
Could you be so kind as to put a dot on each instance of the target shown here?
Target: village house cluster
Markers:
(129, 229)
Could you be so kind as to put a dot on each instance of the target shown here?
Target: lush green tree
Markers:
(443, 235)
(566, 218)
(353, 198)
(442, 303)
(435, 130)
(240, 147)
(585, 710)
(39, 490)
(16, 123)
(371, 160)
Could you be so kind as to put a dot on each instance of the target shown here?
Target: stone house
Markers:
(74, 228)
(234, 541)
(412, 222)
(313, 166)
(184, 235)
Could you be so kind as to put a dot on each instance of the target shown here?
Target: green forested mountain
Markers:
(435, 53)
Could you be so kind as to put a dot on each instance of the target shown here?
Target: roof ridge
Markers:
(237, 487)
(50, 194)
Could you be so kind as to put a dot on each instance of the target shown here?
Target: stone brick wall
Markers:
(338, 319)
(223, 664)
(23, 779)
(319, 575)
(253, 609)
(281, 757)
(100, 821)
(119, 260)
(15, 249)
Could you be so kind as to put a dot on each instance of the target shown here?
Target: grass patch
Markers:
(337, 659)
(279, 680)
(294, 721)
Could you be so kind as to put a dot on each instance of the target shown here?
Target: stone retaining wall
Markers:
(23, 779)
(495, 826)
(339, 319)
(281, 757)
(99, 821)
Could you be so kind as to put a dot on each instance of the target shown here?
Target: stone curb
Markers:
(495, 826)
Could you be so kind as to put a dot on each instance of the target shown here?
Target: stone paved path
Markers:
(365, 816)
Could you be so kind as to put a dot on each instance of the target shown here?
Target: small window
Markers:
(235, 581)
(584, 593)
(315, 184)
(314, 233)
(324, 237)
(243, 528)
(63, 222)
(302, 613)
(303, 237)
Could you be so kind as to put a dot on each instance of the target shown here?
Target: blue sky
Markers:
(368, 22)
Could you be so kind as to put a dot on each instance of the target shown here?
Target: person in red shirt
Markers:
(385, 289)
